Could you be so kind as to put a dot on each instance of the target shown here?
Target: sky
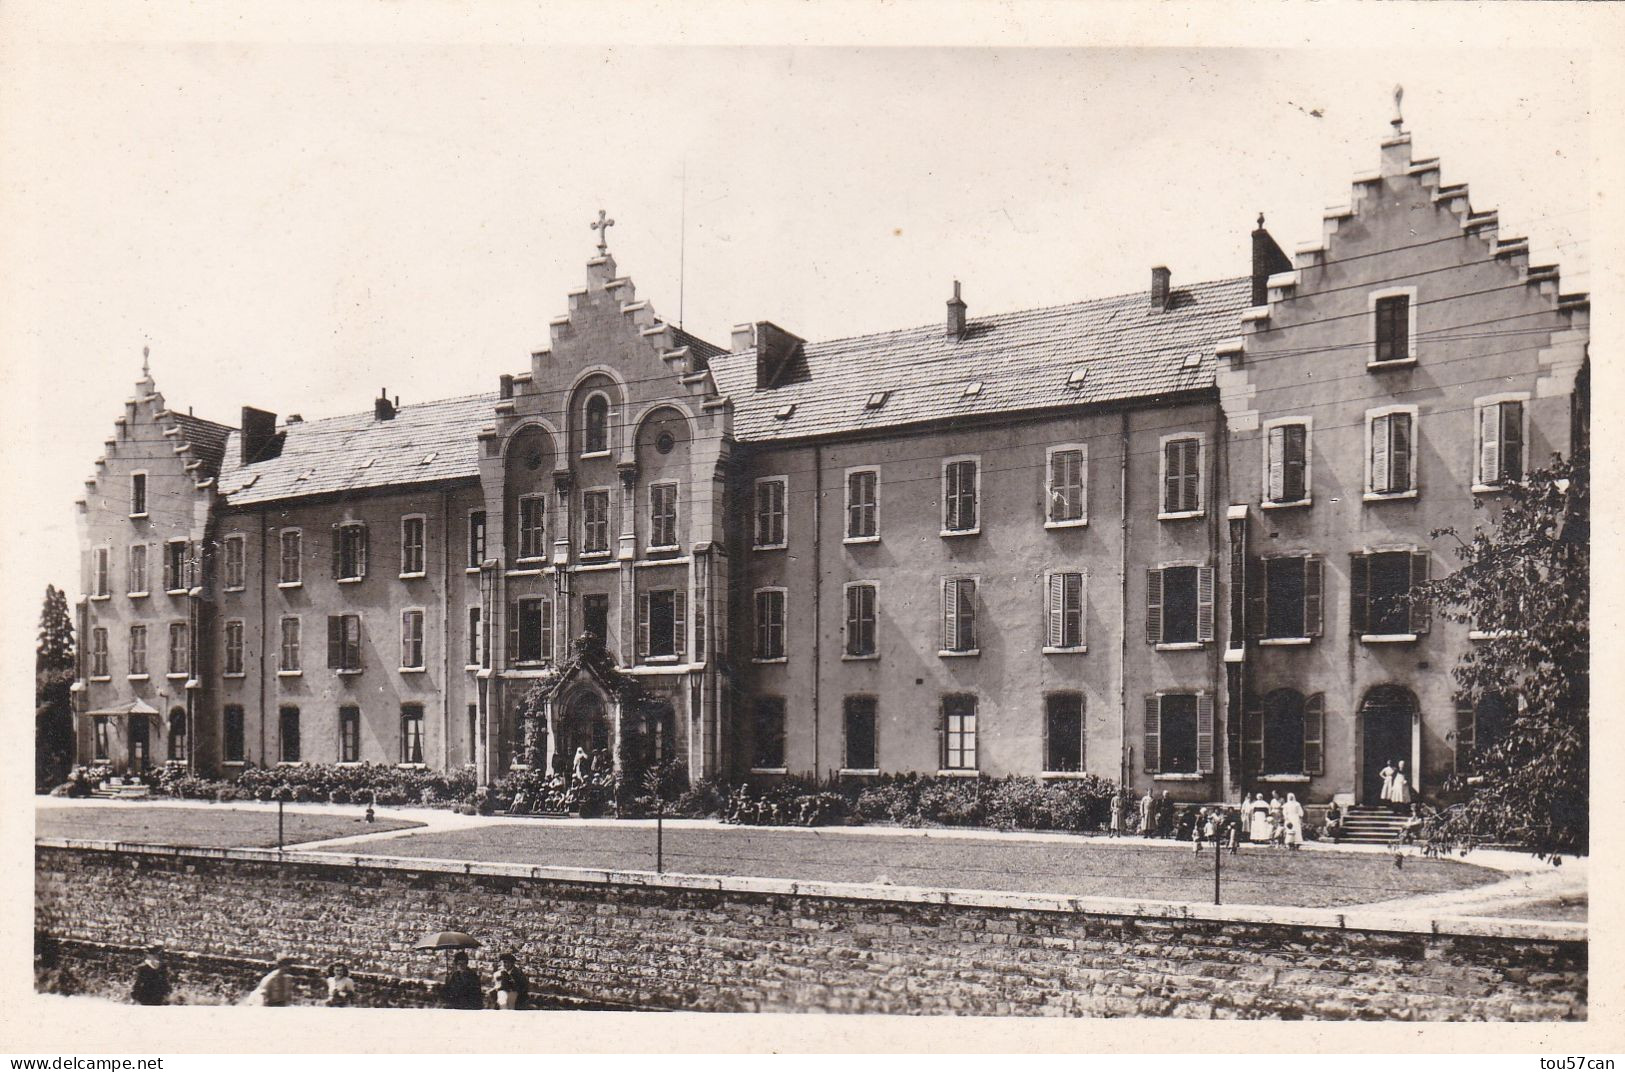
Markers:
(296, 224)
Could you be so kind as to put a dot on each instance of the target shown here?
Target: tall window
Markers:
(1380, 603)
(177, 735)
(1182, 475)
(411, 640)
(138, 570)
(175, 579)
(350, 551)
(959, 614)
(1179, 605)
(767, 738)
(476, 637)
(860, 620)
(235, 570)
(288, 733)
(1066, 487)
(661, 624)
(291, 641)
(138, 494)
(532, 524)
(1481, 727)
(349, 735)
(100, 584)
(1392, 468)
(858, 712)
(595, 522)
(1286, 733)
(1179, 733)
(960, 488)
(770, 497)
(411, 733)
(100, 726)
(595, 614)
(1286, 463)
(292, 548)
(180, 649)
(138, 651)
(863, 504)
(769, 624)
(234, 647)
(98, 653)
(1063, 731)
(344, 642)
(662, 515)
(411, 546)
(530, 630)
(1285, 598)
(476, 538)
(1393, 327)
(232, 735)
(959, 732)
(1500, 443)
(596, 440)
(1064, 608)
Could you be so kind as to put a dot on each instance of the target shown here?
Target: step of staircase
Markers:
(1371, 826)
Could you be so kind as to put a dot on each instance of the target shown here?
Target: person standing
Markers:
(275, 990)
(1399, 790)
(1258, 823)
(340, 987)
(1292, 812)
(512, 985)
(578, 766)
(1388, 773)
(1116, 829)
(462, 989)
(1277, 819)
(151, 985)
(1148, 809)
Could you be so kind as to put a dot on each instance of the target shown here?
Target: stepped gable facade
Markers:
(1160, 538)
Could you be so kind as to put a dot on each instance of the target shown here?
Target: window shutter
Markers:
(1153, 606)
(950, 615)
(1193, 475)
(337, 560)
(1463, 738)
(1083, 605)
(1401, 452)
(335, 642)
(1253, 717)
(1204, 603)
(1359, 592)
(1314, 734)
(1204, 732)
(1489, 444)
(643, 625)
(1153, 734)
(1277, 467)
(679, 623)
(1295, 479)
(1314, 572)
(1420, 617)
(1511, 441)
(513, 632)
(1057, 610)
(1380, 455)
(1257, 598)
(406, 637)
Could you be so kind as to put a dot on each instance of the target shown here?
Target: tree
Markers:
(1523, 695)
(53, 680)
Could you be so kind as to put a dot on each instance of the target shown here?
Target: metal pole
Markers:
(279, 823)
(1217, 853)
(660, 831)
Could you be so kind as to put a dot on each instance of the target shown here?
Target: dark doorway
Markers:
(1386, 716)
(140, 743)
(585, 725)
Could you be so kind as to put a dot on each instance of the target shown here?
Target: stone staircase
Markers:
(1366, 825)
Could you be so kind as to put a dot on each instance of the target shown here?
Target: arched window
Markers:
(1285, 733)
(596, 439)
(177, 733)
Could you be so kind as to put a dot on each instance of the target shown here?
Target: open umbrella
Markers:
(439, 940)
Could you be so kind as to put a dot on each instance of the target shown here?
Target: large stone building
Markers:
(1163, 538)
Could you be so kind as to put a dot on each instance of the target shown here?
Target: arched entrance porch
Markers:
(1390, 730)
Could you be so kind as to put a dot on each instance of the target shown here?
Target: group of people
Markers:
(463, 988)
(589, 779)
(1396, 787)
(746, 810)
(1271, 820)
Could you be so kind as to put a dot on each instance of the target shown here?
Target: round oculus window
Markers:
(664, 442)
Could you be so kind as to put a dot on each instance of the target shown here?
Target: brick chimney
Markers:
(1161, 292)
(257, 435)
(956, 314)
(1268, 259)
(382, 408)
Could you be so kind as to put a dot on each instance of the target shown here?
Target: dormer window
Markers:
(1079, 374)
(972, 389)
(877, 399)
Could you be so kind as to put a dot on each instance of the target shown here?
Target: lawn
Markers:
(212, 828)
(1572, 908)
(1086, 867)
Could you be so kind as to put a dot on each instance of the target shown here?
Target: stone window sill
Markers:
(350, 580)
(947, 533)
(415, 575)
(138, 517)
(229, 588)
(1290, 505)
(769, 546)
(236, 674)
(770, 770)
(1198, 777)
(959, 772)
(1062, 776)
(1380, 366)
(858, 772)
(595, 454)
(348, 673)
(967, 653)
(1079, 649)
(131, 677)
(290, 763)
(471, 667)
(104, 597)
(143, 595)
(290, 584)
(471, 569)
(1285, 642)
(847, 657)
(1387, 638)
(860, 539)
(1179, 515)
(1290, 779)
(1488, 489)
(290, 673)
(535, 572)
(107, 677)
(234, 763)
(779, 661)
(1182, 645)
(409, 669)
(1389, 496)
(1075, 523)
(178, 675)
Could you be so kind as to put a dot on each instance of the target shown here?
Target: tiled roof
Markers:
(1023, 360)
(424, 443)
(208, 439)
(706, 351)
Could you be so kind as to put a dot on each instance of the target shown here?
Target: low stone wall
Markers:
(729, 944)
